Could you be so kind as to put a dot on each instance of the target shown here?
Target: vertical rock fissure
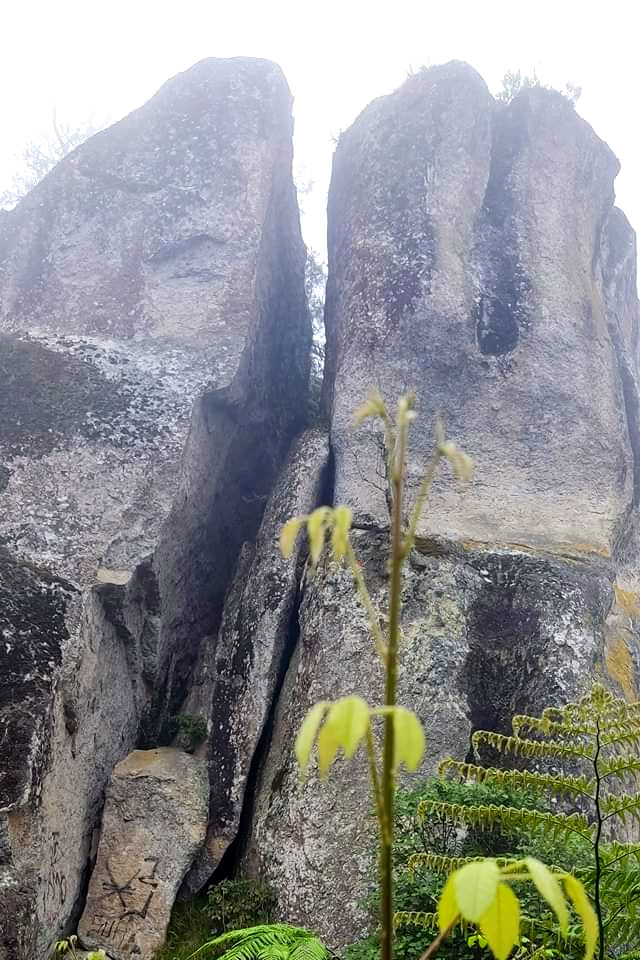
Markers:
(235, 852)
(631, 410)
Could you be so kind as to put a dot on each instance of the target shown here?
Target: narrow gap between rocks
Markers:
(233, 855)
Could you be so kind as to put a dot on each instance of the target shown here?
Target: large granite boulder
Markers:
(154, 358)
(154, 821)
(475, 257)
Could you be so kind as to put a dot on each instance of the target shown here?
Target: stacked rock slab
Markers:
(476, 258)
(154, 822)
(154, 352)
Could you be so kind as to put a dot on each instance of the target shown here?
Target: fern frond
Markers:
(617, 766)
(264, 941)
(274, 951)
(440, 863)
(416, 918)
(575, 786)
(623, 930)
(531, 749)
(508, 818)
(621, 806)
(309, 949)
(615, 852)
(547, 726)
(621, 737)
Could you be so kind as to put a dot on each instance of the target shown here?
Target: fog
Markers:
(105, 59)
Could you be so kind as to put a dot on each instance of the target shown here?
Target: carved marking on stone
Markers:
(55, 886)
(126, 890)
(116, 930)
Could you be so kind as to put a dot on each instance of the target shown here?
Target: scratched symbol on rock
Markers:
(135, 893)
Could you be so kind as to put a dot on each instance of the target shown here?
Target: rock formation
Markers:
(154, 822)
(475, 257)
(238, 681)
(154, 357)
(154, 351)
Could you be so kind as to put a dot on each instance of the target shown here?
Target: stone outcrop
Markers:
(154, 358)
(154, 352)
(239, 678)
(475, 257)
(154, 821)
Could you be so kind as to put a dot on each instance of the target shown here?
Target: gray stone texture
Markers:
(239, 676)
(475, 257)
(154, 821)
(154, 358)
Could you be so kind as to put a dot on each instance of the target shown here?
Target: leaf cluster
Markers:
(584, 758)
(189, 730)
(271, 941)
(435, 846)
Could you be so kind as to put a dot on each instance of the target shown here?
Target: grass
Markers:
(189, 929)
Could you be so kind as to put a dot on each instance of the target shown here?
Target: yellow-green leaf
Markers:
(475, 888)
(328, 748)
(406, 412)
(500, 924)
(347, 721)
(408, 738)
(447, 906)
(372, 407)
(585, 911)
(307, 733)
(316, 529)
(461, 463)
(288, 535)
(549, 888)
(340, 534)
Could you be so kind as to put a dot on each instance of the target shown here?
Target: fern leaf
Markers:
(575, 786)
(547, 726)
(618, 767)
(621, 806)
(508, 818)
(440, 863)
(531, 749)
(265, 941)
(309, 949)
(416, 918)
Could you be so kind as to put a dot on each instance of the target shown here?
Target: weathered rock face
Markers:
(476, 258)
(154, 357)
(239, 677)
(154, 821)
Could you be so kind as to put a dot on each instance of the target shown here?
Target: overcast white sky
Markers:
(109, 57)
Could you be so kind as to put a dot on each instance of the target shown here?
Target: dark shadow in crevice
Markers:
(234, 854)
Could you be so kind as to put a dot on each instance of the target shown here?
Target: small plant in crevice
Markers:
(238, 903)
(479, 892)
(188, 730)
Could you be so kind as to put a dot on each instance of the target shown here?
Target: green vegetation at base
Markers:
(418, 890)
(190, 927)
